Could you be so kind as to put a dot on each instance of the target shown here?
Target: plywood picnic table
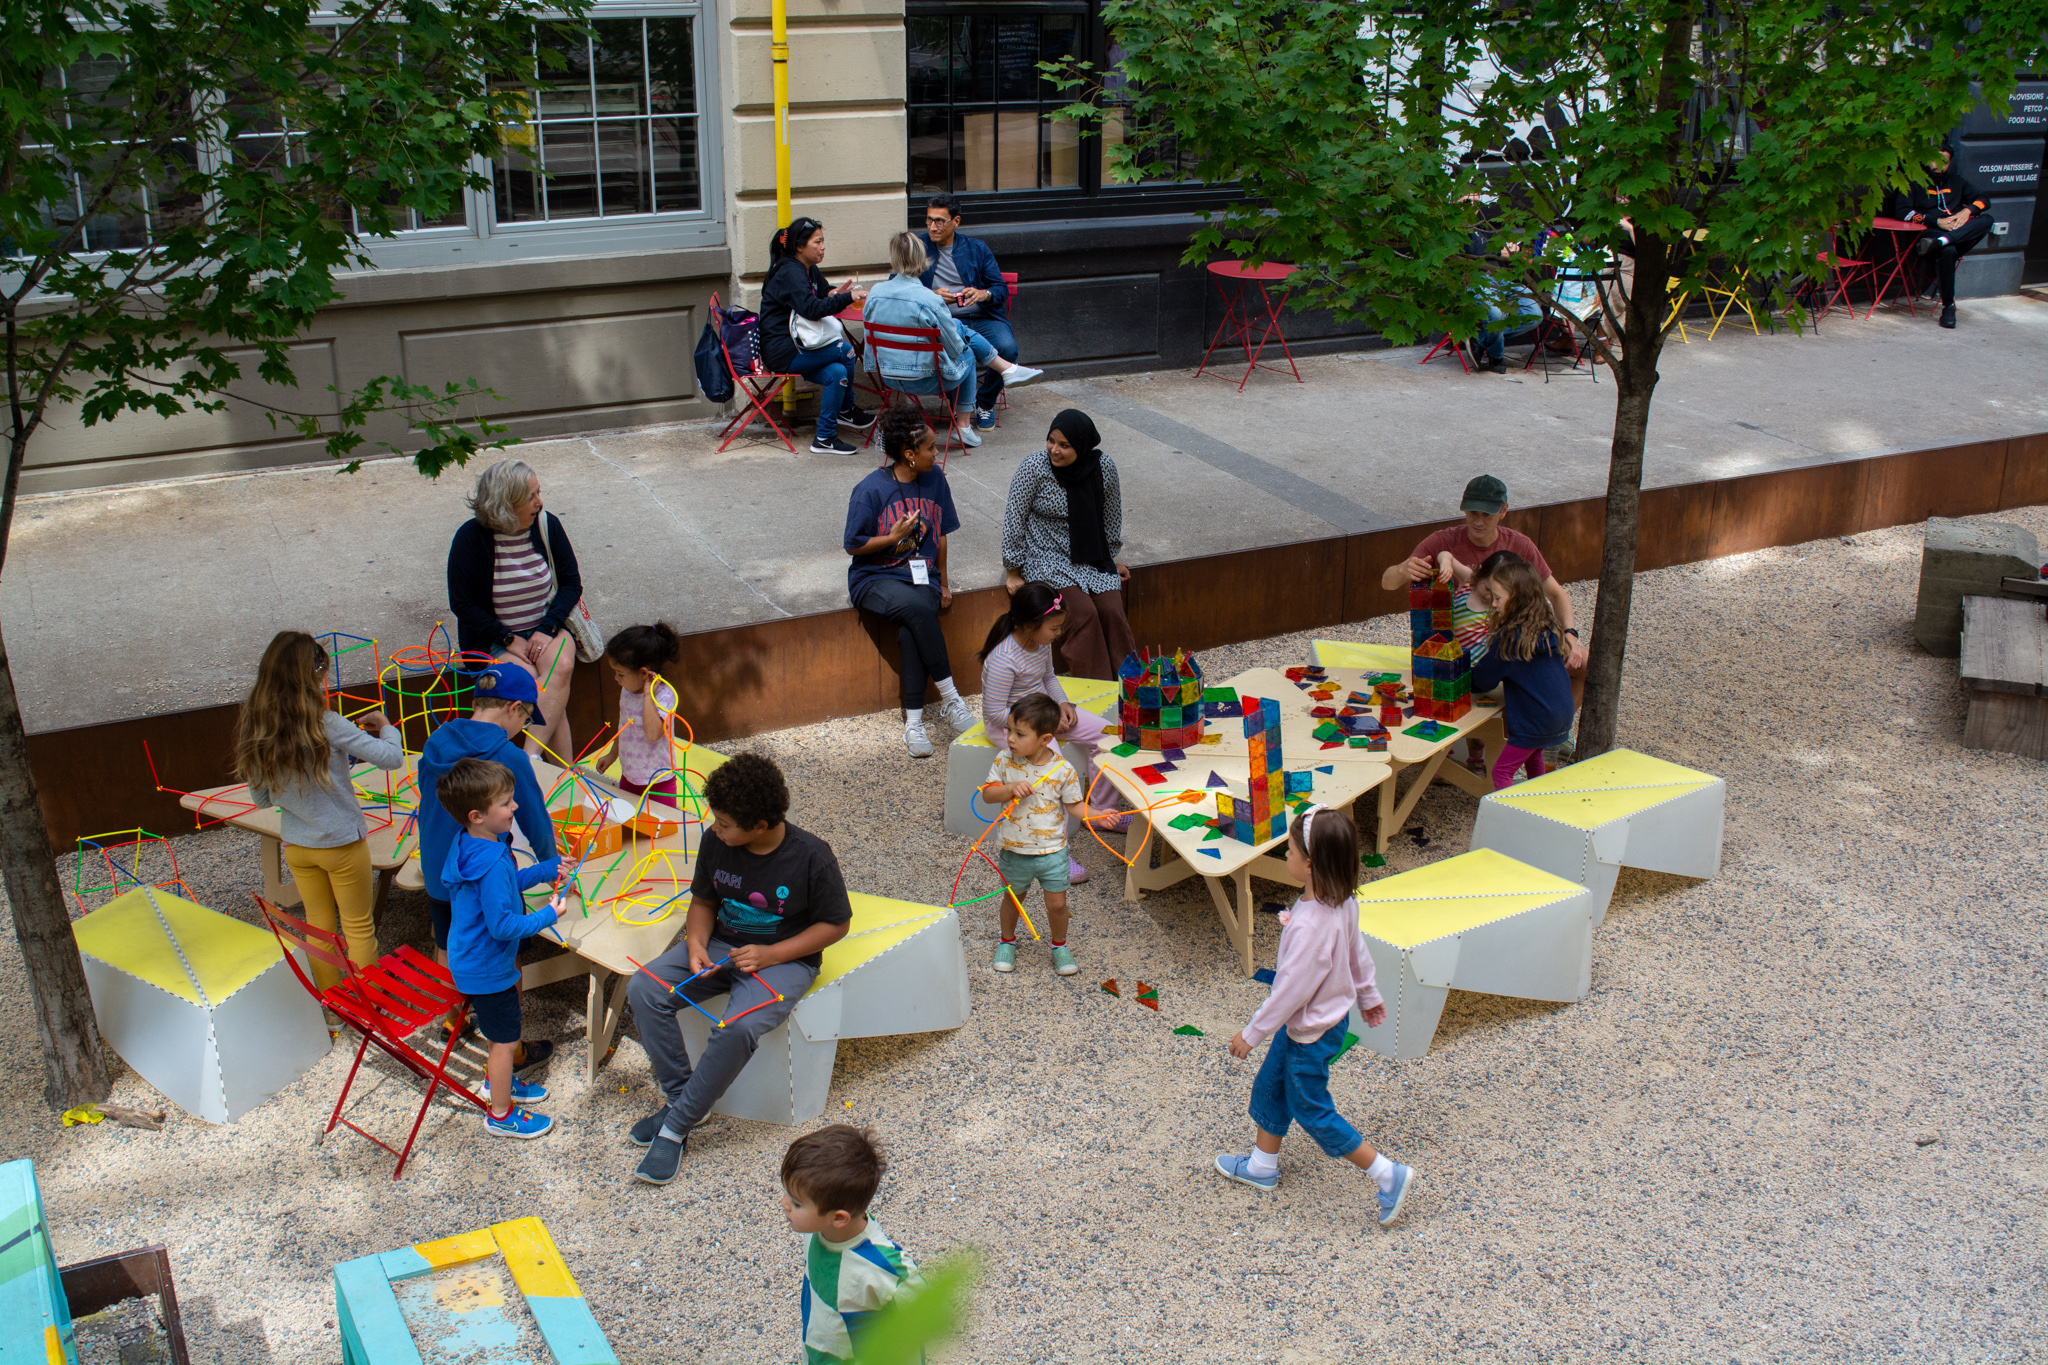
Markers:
(1188, 846)
(1353, 665)
(621, 907)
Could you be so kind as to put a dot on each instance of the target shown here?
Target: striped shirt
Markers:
(1012, 672)
(521, 585)
(1468, 623)
(843, 1283)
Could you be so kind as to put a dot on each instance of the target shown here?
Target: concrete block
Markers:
(1982, 276)
(1966, 559)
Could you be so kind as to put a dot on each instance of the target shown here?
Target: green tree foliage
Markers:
(181, 182)
(1375, 139)
(900, 1332)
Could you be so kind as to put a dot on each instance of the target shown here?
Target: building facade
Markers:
(576, 284)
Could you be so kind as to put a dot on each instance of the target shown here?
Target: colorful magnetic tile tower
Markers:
(1261, 813)
(1443, 679)
(1161, 700)
(1429, 610)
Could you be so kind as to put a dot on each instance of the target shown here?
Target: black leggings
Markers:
(915, 611)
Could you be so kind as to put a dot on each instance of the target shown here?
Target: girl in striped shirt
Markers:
(1016, 660)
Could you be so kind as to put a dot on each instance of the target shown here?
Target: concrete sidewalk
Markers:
(134, 601)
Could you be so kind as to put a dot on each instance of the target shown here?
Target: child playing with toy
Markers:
(1324, 967)
(1036, 783)
(296, 754)
(490, 918)
(503, 698)
(851, 1267)
(1016, 660)
(647, 704)
(766, 900)
(1525, 658)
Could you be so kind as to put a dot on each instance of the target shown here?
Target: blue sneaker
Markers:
(1239, 1168)
(985, 418)
(518, 1123)
(523, 1092)
(664, 1158)
(1390, 1200)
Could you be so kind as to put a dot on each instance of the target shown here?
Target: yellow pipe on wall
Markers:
(778, 50)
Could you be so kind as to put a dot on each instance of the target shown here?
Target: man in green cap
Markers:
(1484, 504)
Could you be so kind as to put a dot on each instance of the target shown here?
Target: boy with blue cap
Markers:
(504, 700)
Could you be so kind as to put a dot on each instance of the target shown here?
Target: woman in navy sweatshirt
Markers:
(796, 286)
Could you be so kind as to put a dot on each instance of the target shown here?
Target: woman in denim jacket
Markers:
(901, 301)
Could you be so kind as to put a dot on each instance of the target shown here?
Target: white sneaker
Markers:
(957, 714)
(969, 437)
(919, 743)
(1019, 374)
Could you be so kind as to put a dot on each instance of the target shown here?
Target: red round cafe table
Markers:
(1900, 235)
(1247, 291)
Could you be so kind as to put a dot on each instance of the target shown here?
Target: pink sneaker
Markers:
(1076, 874)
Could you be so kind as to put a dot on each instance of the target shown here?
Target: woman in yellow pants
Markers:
(296, 754)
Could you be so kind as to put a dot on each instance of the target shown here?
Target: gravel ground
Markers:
(1794, 1119)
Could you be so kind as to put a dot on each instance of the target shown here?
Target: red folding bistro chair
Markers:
(753, 390)
(915, 341)
(1842, 273)
(1444, 343)
(386, 1002)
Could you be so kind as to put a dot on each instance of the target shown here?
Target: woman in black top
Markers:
(796, 285)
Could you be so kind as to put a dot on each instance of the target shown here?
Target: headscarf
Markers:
(1087, 538)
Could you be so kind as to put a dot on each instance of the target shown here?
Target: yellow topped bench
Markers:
(968, 757)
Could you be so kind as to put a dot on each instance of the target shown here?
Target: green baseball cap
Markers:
(1484, 494)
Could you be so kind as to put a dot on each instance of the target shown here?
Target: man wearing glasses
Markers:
(963, 272)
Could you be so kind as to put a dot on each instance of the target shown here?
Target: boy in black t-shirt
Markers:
(766, 901)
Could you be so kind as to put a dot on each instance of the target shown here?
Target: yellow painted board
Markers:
(1082, 692)
(225, 953)
(1600, 790)
(536, 1266)
(1351, 654)
(879, 924)
(460, 1249)
(1454, 895)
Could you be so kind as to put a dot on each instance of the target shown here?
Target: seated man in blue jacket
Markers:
(963, 271)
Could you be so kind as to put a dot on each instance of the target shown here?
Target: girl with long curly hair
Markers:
(1525, 657)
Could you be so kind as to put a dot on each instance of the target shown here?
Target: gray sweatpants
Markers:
(692, 1091)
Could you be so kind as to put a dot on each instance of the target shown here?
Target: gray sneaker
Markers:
(1238, 1168)
(1019, 374)
(969, 437)
(917, 741)
(663, 1160)
(958, 714)
(649, 1128)
(1390, 1199)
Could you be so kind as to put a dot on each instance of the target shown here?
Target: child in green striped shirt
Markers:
(851, 1267)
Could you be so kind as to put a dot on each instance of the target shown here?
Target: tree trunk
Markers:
(75, 1070)
(1635, 379)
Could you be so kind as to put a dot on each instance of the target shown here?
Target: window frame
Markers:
(1091, 198)
(483, 240)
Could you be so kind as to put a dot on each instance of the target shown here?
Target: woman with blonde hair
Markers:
(902, 300)
(512, 582)
(296, 754)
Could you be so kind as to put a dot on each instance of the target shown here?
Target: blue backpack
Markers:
(714, 380)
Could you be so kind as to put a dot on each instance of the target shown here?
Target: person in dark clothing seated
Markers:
(1957, 218)
(796, 288)
(963, 271)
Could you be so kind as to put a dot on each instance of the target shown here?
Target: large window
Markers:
(980, 114)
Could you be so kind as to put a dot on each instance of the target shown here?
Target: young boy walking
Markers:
(1032, 845)
(765, 902)
(488, 919)
(504, 701)
(851, 1267)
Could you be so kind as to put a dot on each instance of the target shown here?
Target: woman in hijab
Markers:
(1064, 525)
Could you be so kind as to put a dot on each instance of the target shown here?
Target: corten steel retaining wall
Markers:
(748, 679)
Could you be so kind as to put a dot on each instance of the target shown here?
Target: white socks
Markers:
(913, 718)
(1382, 1170)
(948, 692)
(1262, 1163)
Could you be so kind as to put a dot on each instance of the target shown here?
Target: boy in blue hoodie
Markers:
(504, 701)
(489, 920)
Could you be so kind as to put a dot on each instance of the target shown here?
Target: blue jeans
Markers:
(995, 336)
(831, 368)
(1495, 344)
(1294, 1085)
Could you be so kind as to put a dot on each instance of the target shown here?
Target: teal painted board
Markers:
(571, 1332)
(32, 1302)
(373, 1331)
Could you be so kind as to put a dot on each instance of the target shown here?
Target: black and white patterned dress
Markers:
(1035, 539)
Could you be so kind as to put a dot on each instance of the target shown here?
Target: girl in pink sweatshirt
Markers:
(1324, 968)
